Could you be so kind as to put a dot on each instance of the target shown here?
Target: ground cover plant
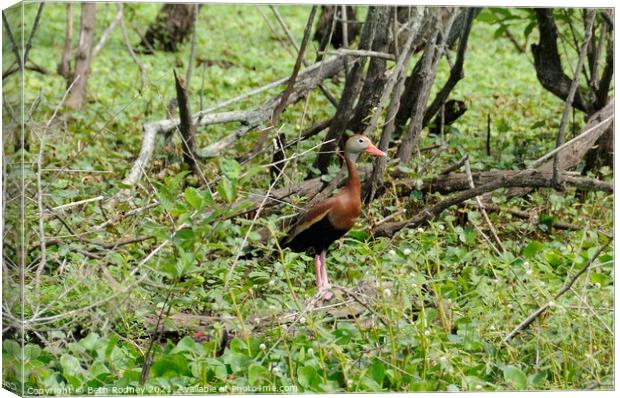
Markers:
(141, 255)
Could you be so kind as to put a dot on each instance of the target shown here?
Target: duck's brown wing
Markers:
(298, 237)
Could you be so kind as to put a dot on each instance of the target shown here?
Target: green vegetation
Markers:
(444, 298)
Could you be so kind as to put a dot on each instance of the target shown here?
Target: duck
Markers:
(330, 219)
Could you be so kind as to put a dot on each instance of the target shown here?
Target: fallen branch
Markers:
(306, 82)
(455, 182)
(525, 178)
(528, 321)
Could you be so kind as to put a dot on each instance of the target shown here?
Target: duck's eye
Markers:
(360, 141)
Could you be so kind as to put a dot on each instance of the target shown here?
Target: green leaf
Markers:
(515, 377)
(187, 344)
(170, 366)
(529, 28)
(468, 236)
(31, 352)
(91, 341)
(307, 377)
(230, 168)
(193, 197)
(532, 249)
(377, 371)
(537, 378)
(256, 374)
(11, 348)
(227, 189)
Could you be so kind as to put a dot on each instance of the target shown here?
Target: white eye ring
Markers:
(360, 141)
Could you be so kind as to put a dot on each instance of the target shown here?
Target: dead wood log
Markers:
(525, 178)
(456, 182)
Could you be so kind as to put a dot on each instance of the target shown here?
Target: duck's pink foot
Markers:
(326, 293)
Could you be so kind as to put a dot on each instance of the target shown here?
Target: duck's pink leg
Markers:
(327, 295)
(317, 271)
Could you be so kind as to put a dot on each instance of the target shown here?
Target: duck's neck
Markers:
(353, 183)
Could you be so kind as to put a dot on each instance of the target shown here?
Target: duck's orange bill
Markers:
(373, 150)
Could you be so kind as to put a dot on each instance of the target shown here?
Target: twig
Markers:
(77, 203)
(455, 166)
(567, 286)
(488, 144)
(482, 209)
(275, 116)
(43, 254)
(361, 53)
(14, 48)
(297, 48)
(37, 18)
(106, 34)
(571, 96)
(132, 54)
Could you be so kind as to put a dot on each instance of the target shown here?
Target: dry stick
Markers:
(43, 254)
(567, 286)
(558, 149)
(361, 53)
(187, 128)
(132, 54)
(106, 34)
(37, 18)
(455, 166)
(488, 146)
(291, 40)
(481, 207)
(14, 47)
(76, 203)
(345, 26)
(275, 116)
(570, 97)
(148, 356)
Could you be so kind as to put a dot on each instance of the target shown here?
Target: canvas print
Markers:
(212, 198)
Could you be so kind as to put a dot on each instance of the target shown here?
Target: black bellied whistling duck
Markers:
(331, 218)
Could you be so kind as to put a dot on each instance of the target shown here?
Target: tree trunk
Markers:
(326, 19)
(77, 97)
(172, 26)
(350, 93)
(64, 68)
(376, 75)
